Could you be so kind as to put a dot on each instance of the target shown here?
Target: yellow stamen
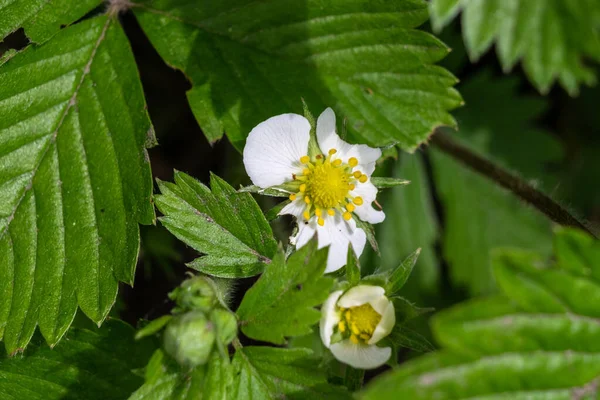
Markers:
(354, 339)
(358, 201)
(341, 326)
(355, 329)
(306, 215)
(337, 162)
(353, 162)
(363, 179)
(304, 159)
(332, 151)
(318, 212)
(321, 221)
(307, 199)
(303, 187)
(331, 212)
(292, 196)
(347, 216)
(351, 186)
(357, 174)
(350, 207)
(306, 171)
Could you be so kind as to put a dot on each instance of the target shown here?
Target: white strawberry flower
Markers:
(352, 324)
(329, 184)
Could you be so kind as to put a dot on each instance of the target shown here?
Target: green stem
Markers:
(354, 378)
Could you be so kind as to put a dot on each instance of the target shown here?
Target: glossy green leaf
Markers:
(410, 223)
(554, 38)
(75, 179)
(479, 215)
(227, 226)
(251, 60)
(165, 380)
(282, 302)
(272, 373)
(88, 364)
(41, 18)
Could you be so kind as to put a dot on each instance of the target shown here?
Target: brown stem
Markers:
(518, 186)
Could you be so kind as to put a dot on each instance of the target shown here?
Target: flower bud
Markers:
(189, 338)
(196, 293)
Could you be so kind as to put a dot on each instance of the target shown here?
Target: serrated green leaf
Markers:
(88, 364)
(75, 179)
(478, 214)
(282, 302)
(165, 380)
(539, 340)
(577, 252)
(227, 226)
(410, 223)
(552, 37)
(249, 61)
(41, 18)
(272, 373)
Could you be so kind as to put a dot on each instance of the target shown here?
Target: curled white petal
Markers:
(338, 234)
(362, 294)
(274, 147)
(295, 208)
(368, 192)
(328, 138)
(360, 355)
(329, 317)
(388, 320)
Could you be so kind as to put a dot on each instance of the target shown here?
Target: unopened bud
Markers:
(189, 338)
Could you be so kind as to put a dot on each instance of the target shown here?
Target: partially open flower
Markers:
(328, 183)
(352, 324)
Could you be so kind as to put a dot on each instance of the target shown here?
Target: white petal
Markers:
(329, 317)
(368, 192)
(388, 320)
(274, 147)
(306, 231)
(361, 294)
(338, 234)
(360, 356)
(295, 208)
(329, 139)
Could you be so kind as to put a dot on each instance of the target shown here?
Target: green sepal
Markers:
(273, 191)
(153, 327)
(352, 268)
(400, 275)
(387, 182)
(313, 144)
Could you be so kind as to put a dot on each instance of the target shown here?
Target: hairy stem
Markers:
(354, 378)
(504, 178)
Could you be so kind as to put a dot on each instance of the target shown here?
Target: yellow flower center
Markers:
(358, 323)
(325, 185)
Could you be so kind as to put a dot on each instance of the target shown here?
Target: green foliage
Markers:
(540, 338)
(227, 226)
(552, 37)
(271, 373)
(282, 302)
(41, 19)
(165, 380)
(88, 364)
(249, 61)
(410, 223)
(74, 179)
(479, 215)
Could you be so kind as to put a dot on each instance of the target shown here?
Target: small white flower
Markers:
(357, 320)
(327, 187)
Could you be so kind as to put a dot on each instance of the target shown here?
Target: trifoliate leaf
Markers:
(282, 302)
(272, 373)
(552, 37)
(75, 179)
(540, 339)
(248, 61)
(41, 18)
(478, 214)
(165, 380)
(227, 226)
(88, 364)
